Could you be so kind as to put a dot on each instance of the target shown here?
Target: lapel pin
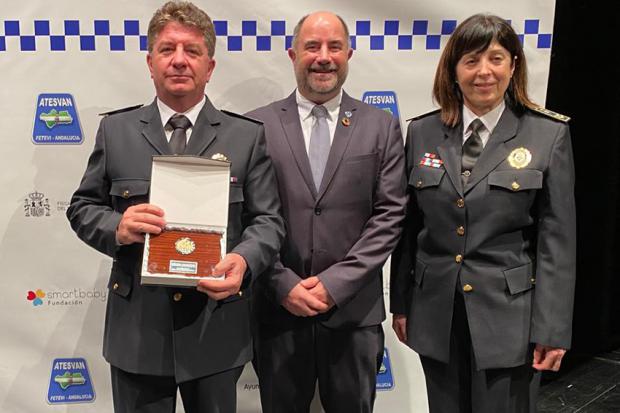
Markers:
(346, 121)
(219, 157)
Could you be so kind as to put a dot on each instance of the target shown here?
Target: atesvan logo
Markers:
(56, 120)
(383, 100)
(385, 377)
(70, 382)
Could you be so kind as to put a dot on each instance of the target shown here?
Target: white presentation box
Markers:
(193, 192)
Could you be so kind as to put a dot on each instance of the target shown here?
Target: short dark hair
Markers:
(475, 34)
(185, 13)
(301, 23)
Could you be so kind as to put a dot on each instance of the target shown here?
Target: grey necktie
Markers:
(178, 141)
(472, 148)
(318, 151)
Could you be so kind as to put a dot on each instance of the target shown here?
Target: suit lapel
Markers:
(289, 116)
(153, 130)
(496, 150)
(342, 137)
(204, 131)
(450, 152)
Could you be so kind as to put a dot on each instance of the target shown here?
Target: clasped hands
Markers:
(308, 298)
(138, 220)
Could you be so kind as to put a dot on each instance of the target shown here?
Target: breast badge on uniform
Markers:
(431, 159)
(519, 158)
(219, 157)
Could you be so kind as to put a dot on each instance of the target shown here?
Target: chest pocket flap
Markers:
(126, 188)
(425, 176)
(516, 180)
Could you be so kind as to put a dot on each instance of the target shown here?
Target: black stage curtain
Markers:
(584, 84)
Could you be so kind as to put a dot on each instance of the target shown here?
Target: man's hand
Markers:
(399, 324)
(138, 220)
(547, 358)
(317, 289)
(233, 267)
(302, 303)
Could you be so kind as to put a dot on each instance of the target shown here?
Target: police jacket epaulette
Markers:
(236, 115)
(550, 114)
(432, 112)
(121, 110)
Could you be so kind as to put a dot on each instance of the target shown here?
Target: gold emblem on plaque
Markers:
(519, 158)
(185, 246)
(219, 157)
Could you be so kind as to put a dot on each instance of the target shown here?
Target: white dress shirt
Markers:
(304, 107)
(166, 113)
(489, 120)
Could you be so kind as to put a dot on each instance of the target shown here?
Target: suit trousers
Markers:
(459, 387)
(140, 393)
(344, 361)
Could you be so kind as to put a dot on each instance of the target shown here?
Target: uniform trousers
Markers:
(140, 393)
(345, 362)
(459, 387)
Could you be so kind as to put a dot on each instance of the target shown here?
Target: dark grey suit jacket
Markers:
(517, 243)
(345, 232)
(146, 332)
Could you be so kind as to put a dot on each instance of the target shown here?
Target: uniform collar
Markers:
(166, 112)
(489, 119)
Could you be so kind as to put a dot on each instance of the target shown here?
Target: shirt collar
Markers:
(489, 119)
(304, 106)
(166, 112)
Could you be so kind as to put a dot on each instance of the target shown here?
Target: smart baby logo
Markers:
(65, 298)
(70, 382)
(385, 377)
(383, 100)
(56, 120)
(36, 297)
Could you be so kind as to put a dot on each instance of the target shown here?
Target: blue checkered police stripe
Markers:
(37, 35)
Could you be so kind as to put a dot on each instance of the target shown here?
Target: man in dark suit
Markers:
(158, 339)
(340, 170)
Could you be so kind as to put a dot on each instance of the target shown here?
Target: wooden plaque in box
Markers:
(193, 252)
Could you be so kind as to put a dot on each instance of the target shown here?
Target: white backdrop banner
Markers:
(63, 63)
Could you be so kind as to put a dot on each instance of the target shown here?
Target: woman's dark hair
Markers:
(475, 34)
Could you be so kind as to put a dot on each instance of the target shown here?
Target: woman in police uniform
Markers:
(483, 280)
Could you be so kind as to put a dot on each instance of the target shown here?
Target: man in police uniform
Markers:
(159, 339)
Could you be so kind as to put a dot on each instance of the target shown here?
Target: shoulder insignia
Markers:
(115, 111)
(432, 112)
(236, 115)
(551, 114)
